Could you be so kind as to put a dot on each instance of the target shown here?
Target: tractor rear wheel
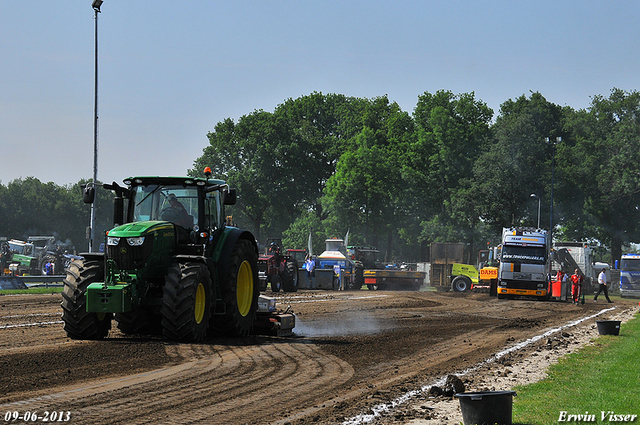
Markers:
(358, 278)
(78, 323)
(290, 277)
(142, 321)
(239, 290)
(186, 302)
(48, 258)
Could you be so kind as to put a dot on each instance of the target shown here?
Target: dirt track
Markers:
(352, 351)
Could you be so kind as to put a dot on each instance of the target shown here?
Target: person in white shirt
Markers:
(602, 286)
(309, 266)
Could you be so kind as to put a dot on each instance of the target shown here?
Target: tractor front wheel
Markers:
(276, 283)
(78, 323)
(239, 291)
(186, 302)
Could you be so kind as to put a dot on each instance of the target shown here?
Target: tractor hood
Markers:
(145, 246)
(141, 228)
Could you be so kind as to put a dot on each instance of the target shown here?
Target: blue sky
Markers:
(170, 70)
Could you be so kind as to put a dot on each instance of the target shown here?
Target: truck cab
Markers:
(630, 275)
(525, 262)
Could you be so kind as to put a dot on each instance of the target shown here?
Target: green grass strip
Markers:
(52, 290)
(599, 378)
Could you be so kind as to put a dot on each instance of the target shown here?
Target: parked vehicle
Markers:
(567, 257)
(630, 275)
(335, 255)
(277, 268)
(488, 263)
(448, 272)
(524, 263)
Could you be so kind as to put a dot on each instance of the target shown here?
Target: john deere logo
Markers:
(123, 251)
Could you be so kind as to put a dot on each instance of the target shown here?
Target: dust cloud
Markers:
(348, 324)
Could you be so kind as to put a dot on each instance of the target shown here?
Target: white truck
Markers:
(630, 275)
(524, 263)
(569, 256)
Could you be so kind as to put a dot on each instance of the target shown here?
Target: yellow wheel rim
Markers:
(201, 300)
(244, 290)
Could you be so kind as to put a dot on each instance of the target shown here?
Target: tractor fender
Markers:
(92, 256)
(190, 259)
(222, 252)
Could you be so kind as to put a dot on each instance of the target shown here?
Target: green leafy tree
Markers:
(452, 131)
(33, 208)
(365, 193)
(518, 163)
(280, 161)
(297, 235)
(603, 167)
(245, 155)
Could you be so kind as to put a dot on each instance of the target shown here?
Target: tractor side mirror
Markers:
(230, 197)
(88, 193)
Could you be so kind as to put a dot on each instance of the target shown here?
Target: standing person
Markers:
(309, 265)
(337, 274)
(602, 286)
(576, 287)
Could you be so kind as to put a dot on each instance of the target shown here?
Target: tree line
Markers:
(29, 207)
(325, 164)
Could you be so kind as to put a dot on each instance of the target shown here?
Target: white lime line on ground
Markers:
(30, 314)
(379, 409)
(346, 298)
(30, 324)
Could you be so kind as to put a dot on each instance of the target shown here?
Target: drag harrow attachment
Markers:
(271, 322)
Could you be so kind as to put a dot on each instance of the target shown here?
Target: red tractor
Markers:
(277, 268)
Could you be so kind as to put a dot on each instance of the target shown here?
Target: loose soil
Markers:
(356, 357)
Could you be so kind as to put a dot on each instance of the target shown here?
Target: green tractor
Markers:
(172, 266)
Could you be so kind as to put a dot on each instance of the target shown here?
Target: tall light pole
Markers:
(92, 229)
(553, 166)
(533, 195)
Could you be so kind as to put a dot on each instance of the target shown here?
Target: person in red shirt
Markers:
(576, 287)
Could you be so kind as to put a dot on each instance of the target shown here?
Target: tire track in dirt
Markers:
(212, 384)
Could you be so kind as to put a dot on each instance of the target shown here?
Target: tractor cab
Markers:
(366, 255)
(300, 255)
(192, 204)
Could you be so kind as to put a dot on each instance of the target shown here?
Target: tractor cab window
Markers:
(16, 248)
(213, 213)
(174, 203)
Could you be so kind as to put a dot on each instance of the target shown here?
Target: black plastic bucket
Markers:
(486, 407)
(608, 327)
